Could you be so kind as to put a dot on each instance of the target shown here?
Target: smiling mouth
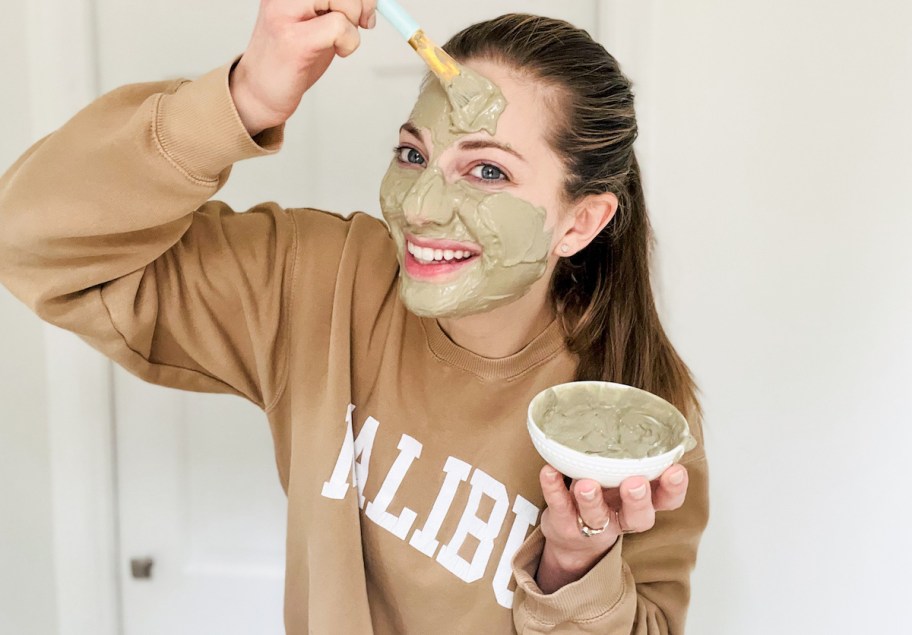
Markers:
(430, 259)
(428, 255)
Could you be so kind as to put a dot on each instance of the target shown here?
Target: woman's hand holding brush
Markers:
(292, 45)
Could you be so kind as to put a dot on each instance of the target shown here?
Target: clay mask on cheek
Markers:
(510, 231)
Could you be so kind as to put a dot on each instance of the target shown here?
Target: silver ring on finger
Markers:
(620, 525)
(588, 531)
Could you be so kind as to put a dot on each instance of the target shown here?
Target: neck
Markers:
(505, 330)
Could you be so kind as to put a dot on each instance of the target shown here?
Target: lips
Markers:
(436, 259)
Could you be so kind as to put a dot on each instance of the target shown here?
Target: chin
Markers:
(425, 299)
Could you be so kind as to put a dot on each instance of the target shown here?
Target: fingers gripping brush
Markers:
(476, 102)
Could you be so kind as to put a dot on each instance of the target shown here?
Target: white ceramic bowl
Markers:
(609, 472)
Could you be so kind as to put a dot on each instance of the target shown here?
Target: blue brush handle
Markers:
(398, 17)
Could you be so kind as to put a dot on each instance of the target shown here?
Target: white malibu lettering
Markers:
(470, 524)
(352, 469)
(425, 539)
(409, 450)
(337, 485)
(526, 515)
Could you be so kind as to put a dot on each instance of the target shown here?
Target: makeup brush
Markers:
(476, 102)
(444, 66)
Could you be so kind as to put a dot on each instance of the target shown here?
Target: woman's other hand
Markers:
(293, 43)
(568, 554)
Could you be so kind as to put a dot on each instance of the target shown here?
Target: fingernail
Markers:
(372, 21)
(552, 474)
(676, 478)
(588, 494)
(638, 493)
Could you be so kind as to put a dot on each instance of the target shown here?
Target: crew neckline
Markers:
(543, 347)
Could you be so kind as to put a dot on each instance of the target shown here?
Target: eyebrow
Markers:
(480, 144)
(411, 128)
(476, 144)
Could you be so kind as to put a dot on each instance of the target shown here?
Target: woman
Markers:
(395, 365)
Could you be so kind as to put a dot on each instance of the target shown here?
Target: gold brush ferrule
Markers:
(444, 66)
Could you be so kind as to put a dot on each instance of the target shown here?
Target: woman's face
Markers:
(474, 214)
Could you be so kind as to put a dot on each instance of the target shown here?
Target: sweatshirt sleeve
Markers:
(640, 587)
(106, 229)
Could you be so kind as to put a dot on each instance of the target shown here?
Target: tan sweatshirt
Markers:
(411, 481)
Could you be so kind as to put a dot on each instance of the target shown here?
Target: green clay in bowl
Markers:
(607, 432)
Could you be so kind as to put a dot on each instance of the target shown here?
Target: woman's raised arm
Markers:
(107, 230)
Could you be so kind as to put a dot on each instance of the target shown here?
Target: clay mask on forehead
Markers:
(509, 230)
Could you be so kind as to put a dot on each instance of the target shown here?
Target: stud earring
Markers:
(565, 249)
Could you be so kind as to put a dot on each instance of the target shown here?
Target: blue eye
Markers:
(488, 172)
(408, 154)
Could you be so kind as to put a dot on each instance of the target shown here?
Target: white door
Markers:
(202, 515)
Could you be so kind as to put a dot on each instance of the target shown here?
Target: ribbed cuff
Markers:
(590, 597)
(198, 128)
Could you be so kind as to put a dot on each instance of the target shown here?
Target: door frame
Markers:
(63, 78)
(63, 74)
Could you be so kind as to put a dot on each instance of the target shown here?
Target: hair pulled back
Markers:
(602, 294)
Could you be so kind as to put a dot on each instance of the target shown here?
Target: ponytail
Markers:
(603, 297)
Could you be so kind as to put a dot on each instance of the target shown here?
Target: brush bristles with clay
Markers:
(475, 100)
(440, 63)
(438, 60)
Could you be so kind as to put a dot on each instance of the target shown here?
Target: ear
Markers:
(585, 221)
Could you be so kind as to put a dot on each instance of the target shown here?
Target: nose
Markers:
(429, 200)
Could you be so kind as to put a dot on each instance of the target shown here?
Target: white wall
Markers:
(783, 151)
(27, 595)
(778, 146)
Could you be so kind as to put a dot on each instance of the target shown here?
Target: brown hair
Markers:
(603, 294)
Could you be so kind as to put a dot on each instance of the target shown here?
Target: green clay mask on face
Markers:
(420, 202)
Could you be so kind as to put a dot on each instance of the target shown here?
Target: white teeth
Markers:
(428, 255)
